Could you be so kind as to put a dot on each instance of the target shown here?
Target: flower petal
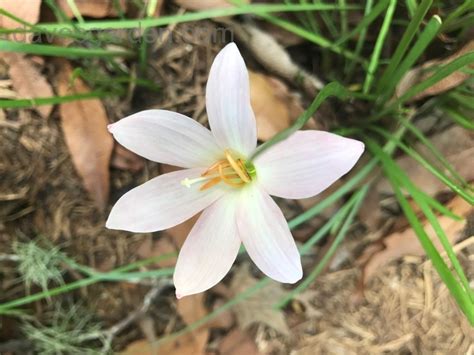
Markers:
(306, 163)
(230, 115)
(209, 250)
(266, 236)
(167, 137)
(161, 203)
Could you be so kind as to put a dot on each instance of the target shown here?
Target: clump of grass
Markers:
(69, 328)
(37, 265)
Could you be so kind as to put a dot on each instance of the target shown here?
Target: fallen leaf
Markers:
(274, 106)
(124, 159)
(258, 308)
(84, 123)
(153, 248)
(28, 11)
(180, 232)
(224, 320)
(423, 72)
(400, 244)
(204, 4)
(142, 347)
(28, 81)
(237, 342)
(191, 343)
(191, 309)
(93, 8)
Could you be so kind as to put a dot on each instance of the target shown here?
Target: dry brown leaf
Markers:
(192, 343)
(28, 81)
(142, 347)
(274, 106)
(204, 4)
(28, 11)
(93, 8)
(124, 159)
(421, 73)
(84, 124)
(153, 248)
(237, 342)
(405, 243)
(191, 309)
(258, 308)
(224, 320)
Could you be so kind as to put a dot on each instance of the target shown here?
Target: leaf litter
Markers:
(84, 124)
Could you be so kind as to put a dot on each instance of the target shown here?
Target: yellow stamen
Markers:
(210, 183)
(215, 166)
(227, 180)
(237, 168)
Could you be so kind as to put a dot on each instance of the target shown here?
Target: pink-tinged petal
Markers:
(167, 137)
(230, 115)
(161, 203)
(209, 250)
(306, 163)
(266, 236)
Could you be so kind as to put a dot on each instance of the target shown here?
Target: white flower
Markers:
(218, 178)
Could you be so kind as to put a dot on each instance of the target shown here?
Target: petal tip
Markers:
(110, 127)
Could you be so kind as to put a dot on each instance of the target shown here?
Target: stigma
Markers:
(232, 171)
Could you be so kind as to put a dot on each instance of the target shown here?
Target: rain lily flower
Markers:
(218, 179)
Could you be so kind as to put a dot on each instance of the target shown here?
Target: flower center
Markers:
(232, 171)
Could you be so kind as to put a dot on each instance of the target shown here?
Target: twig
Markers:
(107, 336)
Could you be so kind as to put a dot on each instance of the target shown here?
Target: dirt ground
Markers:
(406, 308)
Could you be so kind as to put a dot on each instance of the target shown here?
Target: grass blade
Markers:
(433, 170)
(428, 34)
(402, 47)
(31, 103)
(255, 9)
(353, 205)
(374, 60)
(441, 72)
(58, 51)
(397, 179)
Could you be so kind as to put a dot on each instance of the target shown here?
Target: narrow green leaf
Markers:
(411, 6)
(310, 36)
(374, 59)
(397, 179)
(370, 15)
(58, 51)
(459, 118)
(405, 41)
(31, 103)
(426, 37)
(433, 150)
(77, 14)
(353, 205)
(255, 9)
(432, 169)
(441, 72)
